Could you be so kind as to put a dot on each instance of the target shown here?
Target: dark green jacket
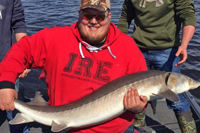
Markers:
(157, 22)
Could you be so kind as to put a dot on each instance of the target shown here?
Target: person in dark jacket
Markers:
(12, 22)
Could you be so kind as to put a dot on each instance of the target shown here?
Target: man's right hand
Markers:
(7, 96)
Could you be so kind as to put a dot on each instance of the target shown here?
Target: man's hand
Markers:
(133, 102)
(188, 32)
(182, 53)
(7, 97)
(25, 73)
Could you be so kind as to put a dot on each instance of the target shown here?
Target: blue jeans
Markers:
(20, 128)
(165, 60)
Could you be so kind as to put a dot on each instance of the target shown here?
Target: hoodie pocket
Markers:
(152, 34)
(164, 34)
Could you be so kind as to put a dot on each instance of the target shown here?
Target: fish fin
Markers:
(153, 106)
(20, 119)
(168, 94)
(38, 100)
(58, 127)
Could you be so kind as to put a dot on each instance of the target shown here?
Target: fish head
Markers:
(180, 83)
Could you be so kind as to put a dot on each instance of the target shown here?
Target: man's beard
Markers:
(92, 40)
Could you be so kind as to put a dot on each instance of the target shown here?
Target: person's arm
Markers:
(127, 16)
(18, 36)
(19, 26)
(18, 20)
(132, 101)
(29, 52)
(188, 32)
(186, 13)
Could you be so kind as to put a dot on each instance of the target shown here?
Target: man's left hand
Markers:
(133, 102)
(182, 53)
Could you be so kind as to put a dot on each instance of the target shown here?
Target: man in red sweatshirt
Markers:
(77, 60)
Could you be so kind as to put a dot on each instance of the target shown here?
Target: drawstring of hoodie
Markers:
(94, 49)
(111, 52)
(81, 51)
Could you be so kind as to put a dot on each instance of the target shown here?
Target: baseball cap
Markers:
(101, 5)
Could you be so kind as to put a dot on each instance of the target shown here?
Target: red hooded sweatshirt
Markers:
(74, 68)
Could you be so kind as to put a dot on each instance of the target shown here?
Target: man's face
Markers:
(92, 26)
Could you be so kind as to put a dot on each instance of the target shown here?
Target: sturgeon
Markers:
(106, 102)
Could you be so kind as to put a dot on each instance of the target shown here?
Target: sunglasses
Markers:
(99, 17)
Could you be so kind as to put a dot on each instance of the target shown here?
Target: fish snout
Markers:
(194, 84)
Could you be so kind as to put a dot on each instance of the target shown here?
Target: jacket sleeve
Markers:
(185, 11)
(127, 16)
(18, 19)
(29, 52)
